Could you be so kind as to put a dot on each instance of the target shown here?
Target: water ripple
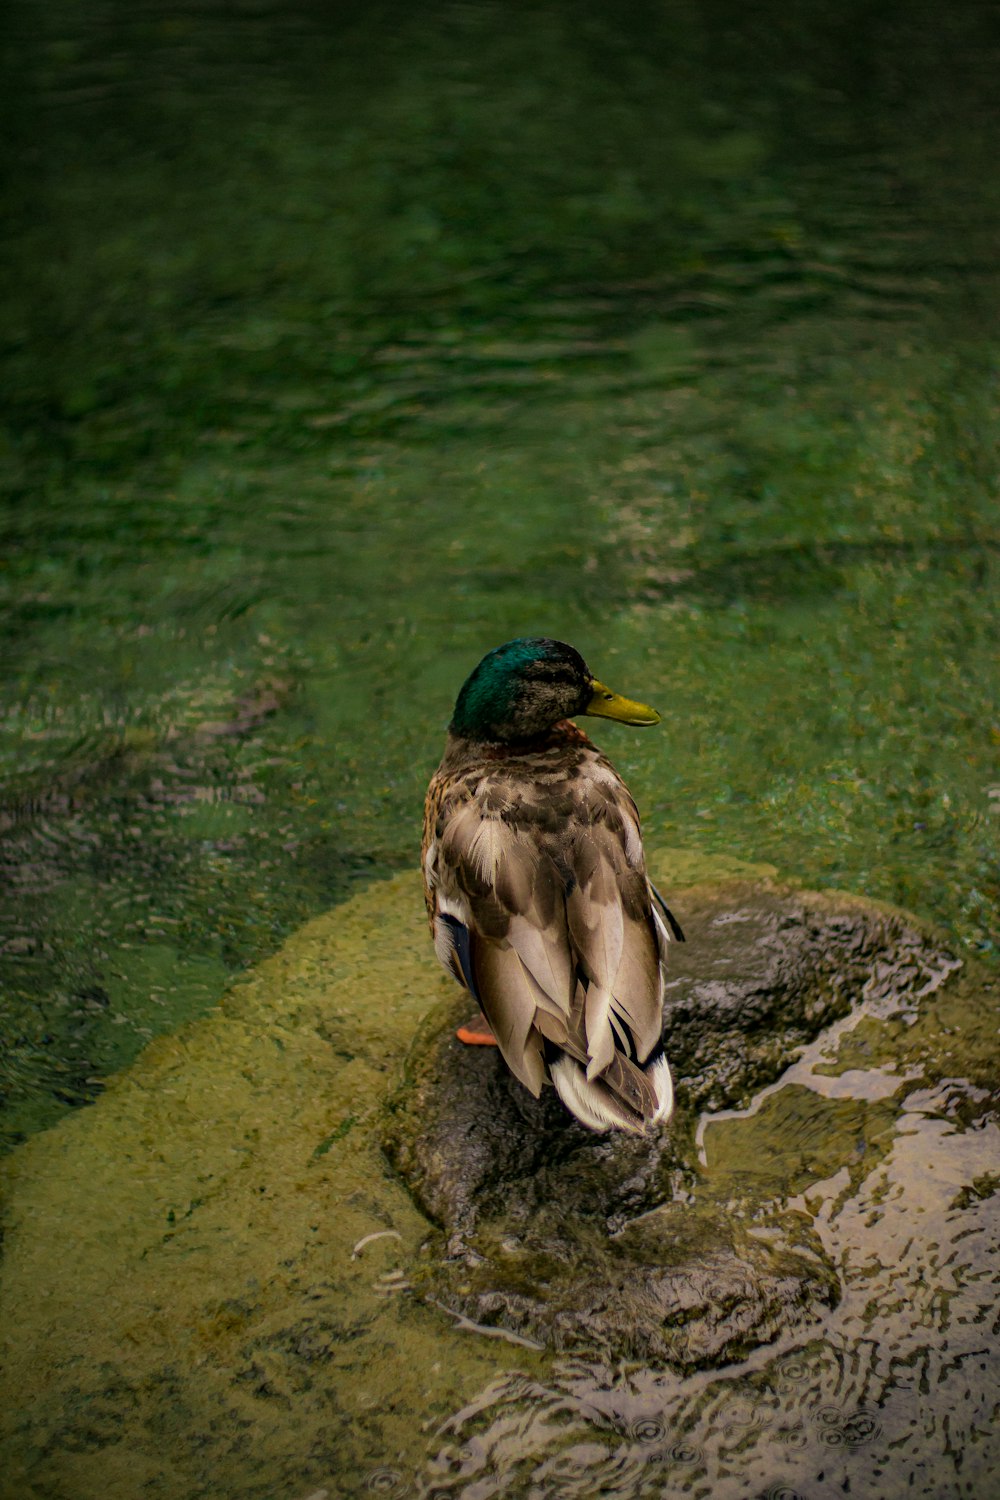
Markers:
(920, 1252)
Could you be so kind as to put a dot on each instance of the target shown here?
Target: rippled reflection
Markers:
(894, 1395)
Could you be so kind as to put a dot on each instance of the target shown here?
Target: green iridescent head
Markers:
(521, 689)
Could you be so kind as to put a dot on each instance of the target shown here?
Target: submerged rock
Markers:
(567, 1237)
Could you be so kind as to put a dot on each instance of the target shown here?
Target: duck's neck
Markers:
(461, 746)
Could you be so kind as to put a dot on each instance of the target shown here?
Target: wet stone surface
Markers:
(569, 1238)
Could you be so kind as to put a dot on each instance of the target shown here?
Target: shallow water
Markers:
(895, 1395)
(342, 344)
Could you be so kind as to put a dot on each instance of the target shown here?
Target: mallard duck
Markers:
(537, 891)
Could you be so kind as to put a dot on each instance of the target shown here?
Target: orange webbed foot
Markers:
(477, 1032)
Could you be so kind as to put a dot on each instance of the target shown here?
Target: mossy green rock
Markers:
(190, 1298)
(571, 1238)
(185, 1307)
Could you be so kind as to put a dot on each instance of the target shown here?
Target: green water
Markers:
(343, 342)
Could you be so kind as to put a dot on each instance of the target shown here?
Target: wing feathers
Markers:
(541, 907)
(600, 1037)
(546, 954)
(507, 995)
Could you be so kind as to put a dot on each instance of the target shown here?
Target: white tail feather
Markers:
(598, 1109)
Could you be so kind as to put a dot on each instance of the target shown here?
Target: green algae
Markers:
(178, 1267)
(182, 1306)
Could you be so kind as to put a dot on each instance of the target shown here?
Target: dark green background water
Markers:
(342, 342)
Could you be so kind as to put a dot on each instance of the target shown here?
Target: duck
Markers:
(537, 892)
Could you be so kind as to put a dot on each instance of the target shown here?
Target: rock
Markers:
(568, 1237)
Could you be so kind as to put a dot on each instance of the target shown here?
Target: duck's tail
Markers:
(626, 1095)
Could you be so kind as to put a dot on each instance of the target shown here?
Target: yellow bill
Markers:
(608, 705)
